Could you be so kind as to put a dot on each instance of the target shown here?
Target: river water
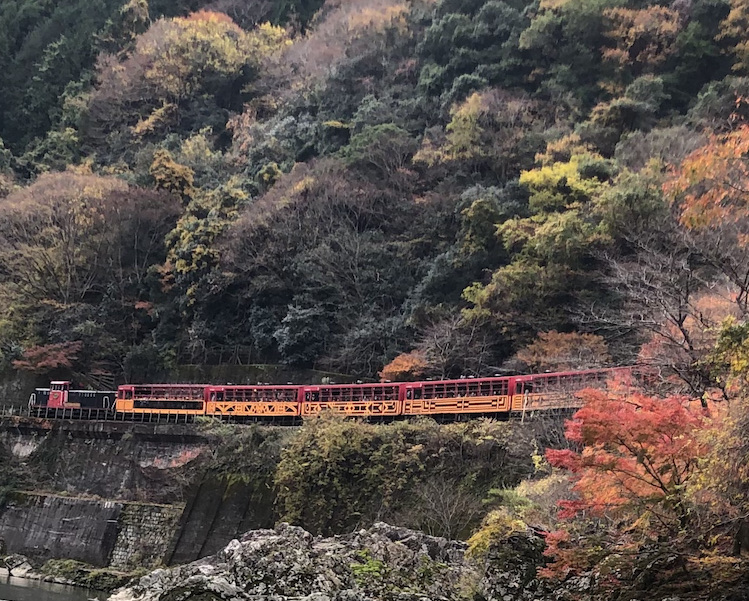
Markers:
(20, 589)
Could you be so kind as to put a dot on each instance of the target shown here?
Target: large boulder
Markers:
(381, 563)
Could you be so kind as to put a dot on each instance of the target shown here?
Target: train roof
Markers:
(165, 385)
(254, 386)
(362, 385)
(522, 377)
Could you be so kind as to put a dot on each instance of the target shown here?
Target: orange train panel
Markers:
(546, 400)
(260, 408)
(352, 408)
(489, 404)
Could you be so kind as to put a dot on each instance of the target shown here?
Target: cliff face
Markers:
(124, 496)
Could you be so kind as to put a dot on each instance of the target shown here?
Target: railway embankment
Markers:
(122, 497)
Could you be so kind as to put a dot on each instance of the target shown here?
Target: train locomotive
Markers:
(495, 396)
(59, 395)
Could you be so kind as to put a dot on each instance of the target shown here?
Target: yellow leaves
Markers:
(185, 54)
(378, 17)
(498, 526)
(735, 26)
(559, 185)
(484, 129)
(171, 176)
(302, 185)
(159, 119)
(198, 149)
(268, 39)
(208, 16)
(562, 150)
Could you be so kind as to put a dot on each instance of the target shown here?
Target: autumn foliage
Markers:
(560, 351)
(43, 359)
(712, 184)
(638, 452)
(407, 366)
(637, 457)
(644, 39)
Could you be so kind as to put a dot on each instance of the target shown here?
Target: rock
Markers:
(19, 566)
(287, 562)
(510, 566)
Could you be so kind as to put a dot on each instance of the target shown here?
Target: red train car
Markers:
(557, 390)
(480, 395)
(355, 400)
(492, 396)
(180, 399)
(253, 401)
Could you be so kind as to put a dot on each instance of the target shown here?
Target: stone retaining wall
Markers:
(102, 533)
(145, 532)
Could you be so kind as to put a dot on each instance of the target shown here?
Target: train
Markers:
(497, 396)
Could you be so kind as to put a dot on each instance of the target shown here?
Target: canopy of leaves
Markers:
(355, 183)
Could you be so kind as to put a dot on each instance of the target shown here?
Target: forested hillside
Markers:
(444, 186)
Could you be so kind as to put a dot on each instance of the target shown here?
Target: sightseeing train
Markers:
(498, 396)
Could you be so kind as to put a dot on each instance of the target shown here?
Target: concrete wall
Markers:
(51, 526)
(121, 489)
(221, 508)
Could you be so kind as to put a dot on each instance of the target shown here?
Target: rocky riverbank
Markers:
(386, 563)
(380, 563)
(287, 562)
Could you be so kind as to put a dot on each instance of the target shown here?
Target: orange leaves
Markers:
(555, 351)
(41, 359)
(406, 366)
(649, 472)
(644, 38)
(637, 454)
(712, 183)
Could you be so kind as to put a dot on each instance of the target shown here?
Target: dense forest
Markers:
(433, 187)
(408, 188)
